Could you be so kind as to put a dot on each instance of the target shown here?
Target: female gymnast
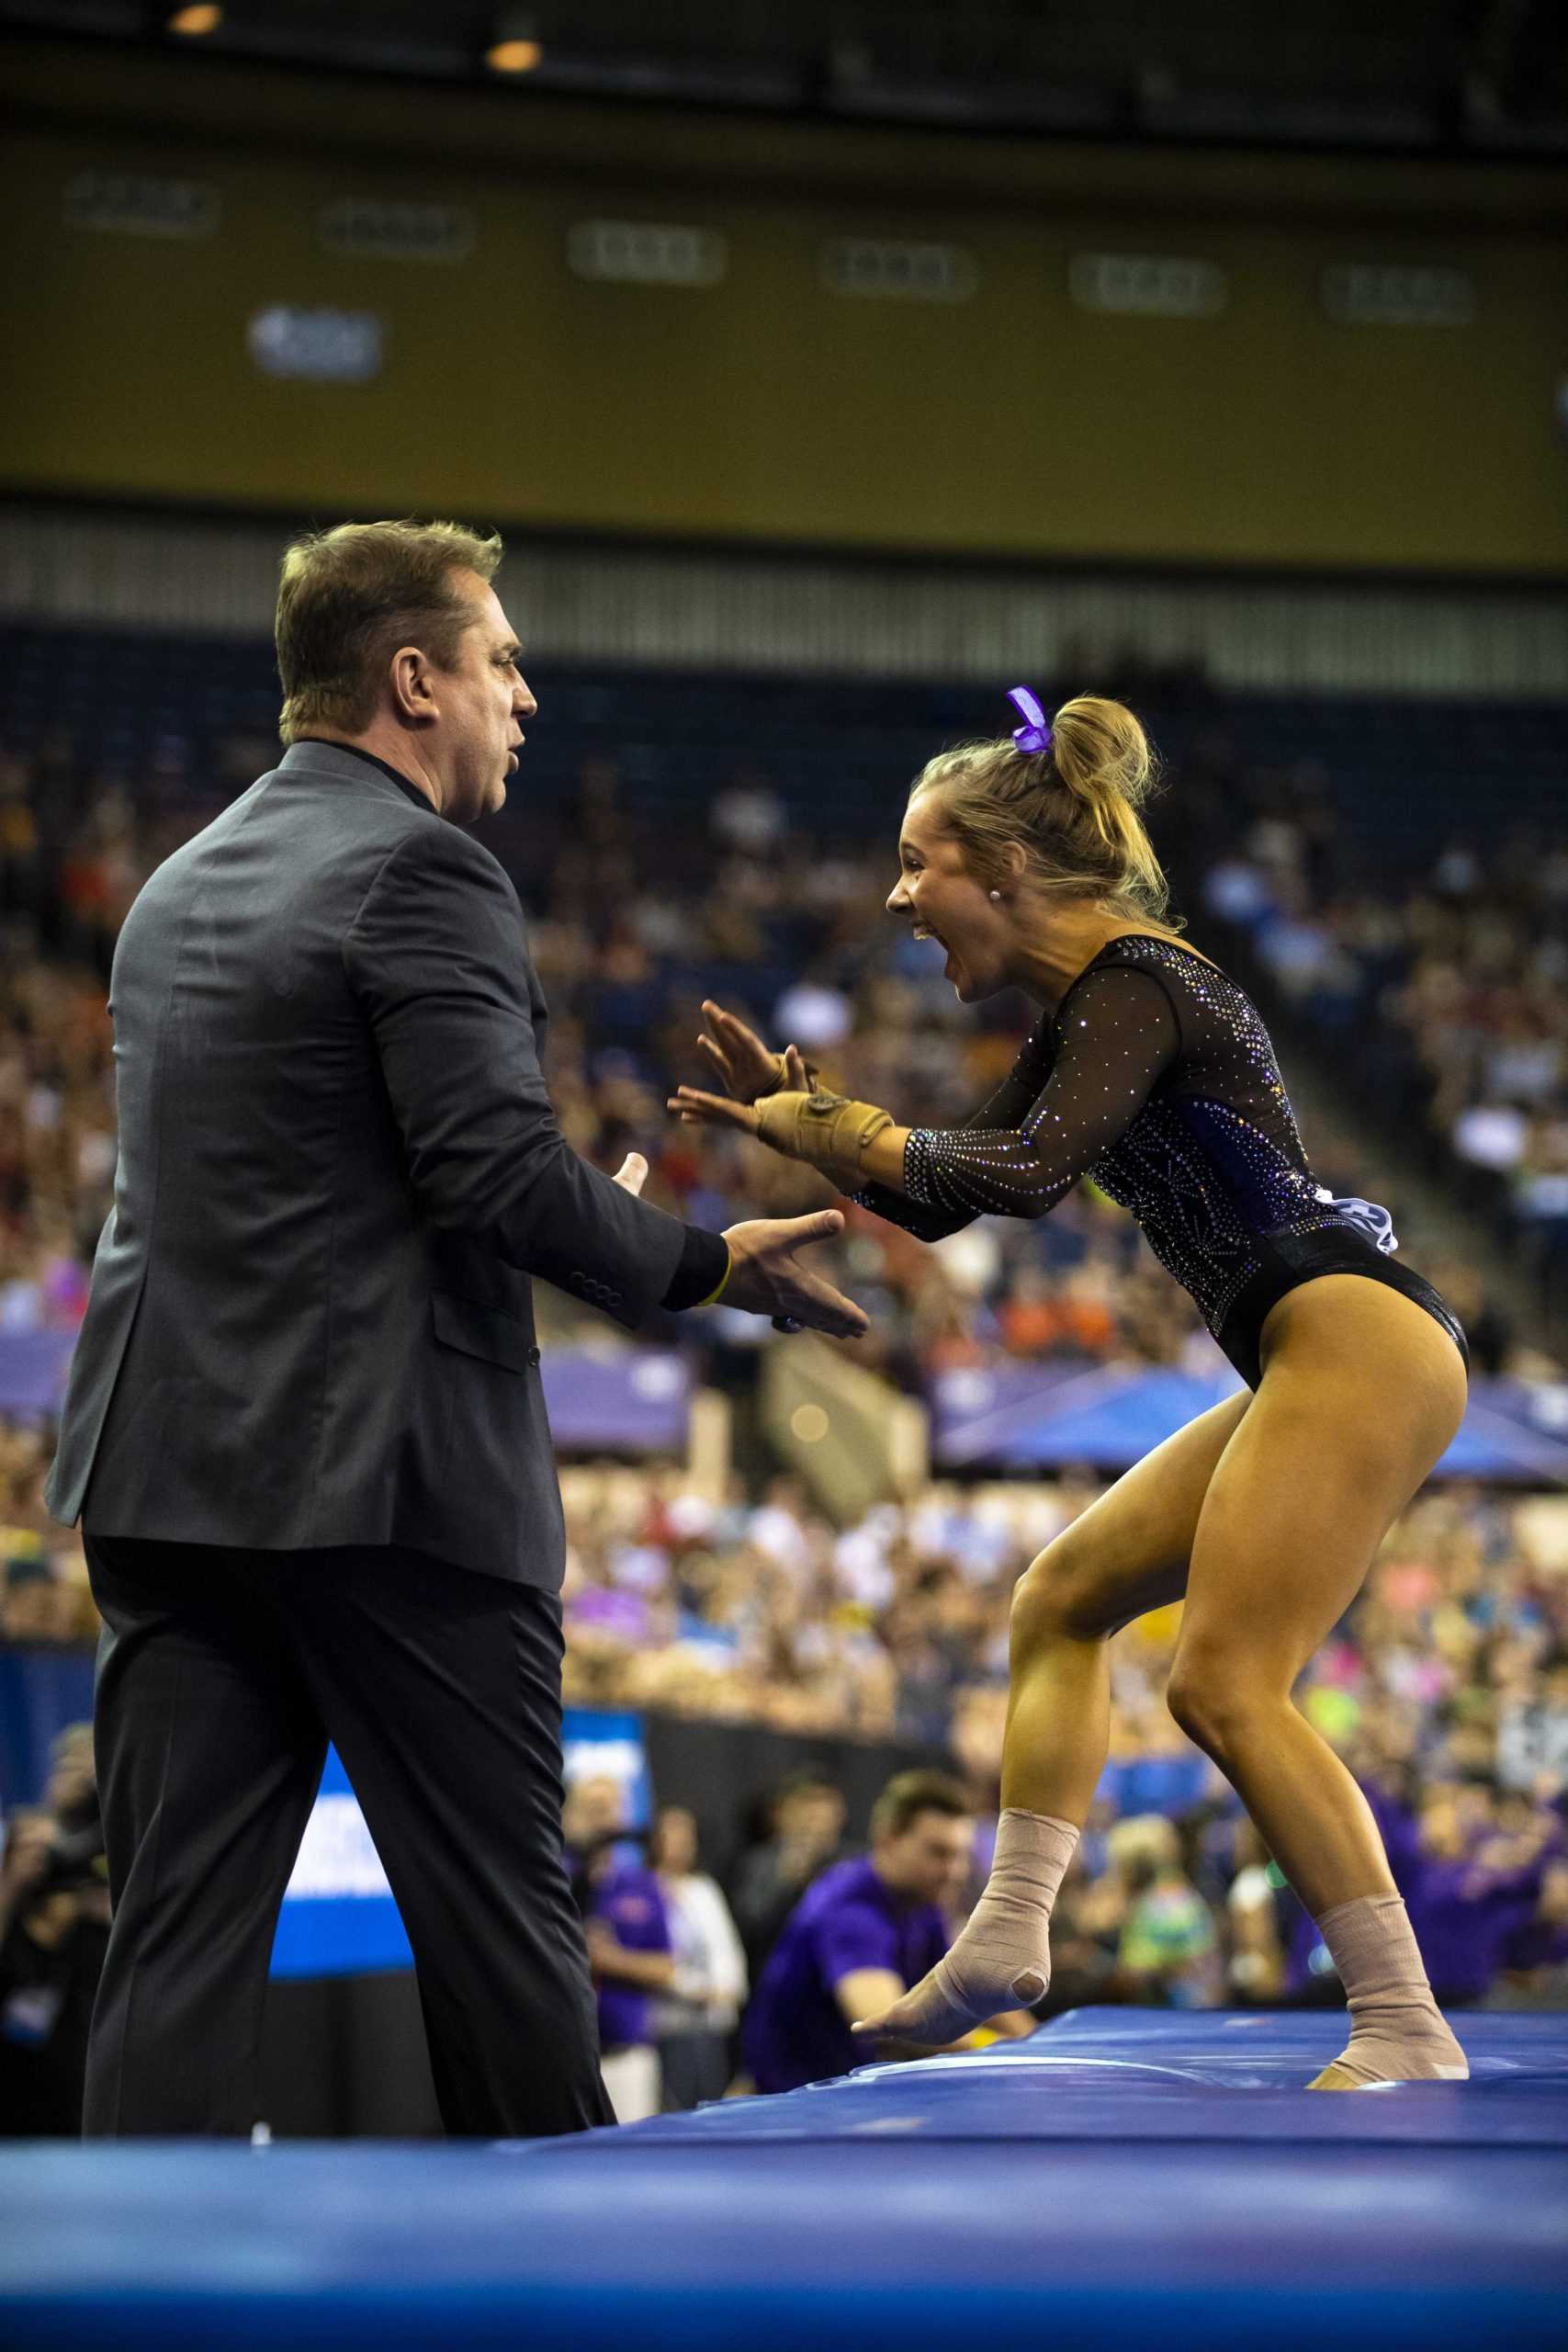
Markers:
(1150, 1070)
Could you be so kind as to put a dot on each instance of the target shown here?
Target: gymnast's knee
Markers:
(1053, 1600)
(1218, 1699)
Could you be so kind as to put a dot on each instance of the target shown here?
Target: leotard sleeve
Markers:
(1117, 1034)
(1004, 1108)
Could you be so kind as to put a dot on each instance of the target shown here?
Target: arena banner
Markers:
(1017, 1417)
(637, 1401)
(339, 1917)
(43, 1691)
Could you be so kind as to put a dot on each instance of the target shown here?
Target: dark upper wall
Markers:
(765, 406)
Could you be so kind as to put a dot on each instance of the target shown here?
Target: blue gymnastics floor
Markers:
(1123, 2179)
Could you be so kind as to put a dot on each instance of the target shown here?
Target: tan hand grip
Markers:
(825, 1129)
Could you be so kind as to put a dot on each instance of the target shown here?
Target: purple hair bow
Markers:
(1036, 736)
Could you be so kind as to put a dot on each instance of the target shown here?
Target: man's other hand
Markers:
(767, 1279)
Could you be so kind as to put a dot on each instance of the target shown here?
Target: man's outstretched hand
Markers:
(766, 1277)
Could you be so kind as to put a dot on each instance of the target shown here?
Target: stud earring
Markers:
(996, 893)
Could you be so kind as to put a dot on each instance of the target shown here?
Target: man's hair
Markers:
(347, 600)
(909, 1794)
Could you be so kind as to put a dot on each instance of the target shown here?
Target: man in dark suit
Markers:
(305, 1431)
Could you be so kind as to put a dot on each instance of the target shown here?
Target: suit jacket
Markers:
(310, 1319)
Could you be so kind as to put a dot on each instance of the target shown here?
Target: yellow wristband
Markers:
(714, 1296)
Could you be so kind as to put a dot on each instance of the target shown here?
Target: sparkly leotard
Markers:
(1156, 1077)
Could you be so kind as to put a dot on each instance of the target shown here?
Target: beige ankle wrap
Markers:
(1398, 2031)
(1002, 1960)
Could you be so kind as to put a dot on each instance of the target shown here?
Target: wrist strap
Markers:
(714, 1296)
(820, 1127)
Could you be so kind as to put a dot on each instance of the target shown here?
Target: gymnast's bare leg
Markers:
(1268, 1509)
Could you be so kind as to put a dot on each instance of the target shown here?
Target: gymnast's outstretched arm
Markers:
(1007, 1107)
(1118, 1034)
(750, 1071)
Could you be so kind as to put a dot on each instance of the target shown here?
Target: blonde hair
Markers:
(1073, 809)
(347, 598)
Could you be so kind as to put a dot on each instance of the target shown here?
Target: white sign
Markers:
(323, 346)
(337, 1855)
(141, 204)
(369, 228)
(1394, 294)
(899, 272)
(647, 252)
(1147, 285)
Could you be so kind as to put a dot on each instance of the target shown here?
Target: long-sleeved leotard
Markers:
(1005, 1109)
(1156, 1077)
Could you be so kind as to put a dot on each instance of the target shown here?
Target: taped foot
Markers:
(1002, 1960)
(1398, 2034)
(1418, 2047)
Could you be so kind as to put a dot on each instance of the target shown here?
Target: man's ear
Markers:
(414, 683)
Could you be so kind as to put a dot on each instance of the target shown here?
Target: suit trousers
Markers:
(221, 1675)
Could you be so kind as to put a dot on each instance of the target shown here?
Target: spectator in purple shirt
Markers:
(628, 1942)
(862, 1934)
(1474, 1897)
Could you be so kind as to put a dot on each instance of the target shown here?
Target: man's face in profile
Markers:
(929, 1862)
(483, 702)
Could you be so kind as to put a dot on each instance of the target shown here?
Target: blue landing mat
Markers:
(1124, 2179)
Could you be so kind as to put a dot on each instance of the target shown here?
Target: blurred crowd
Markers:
(54, 1924)
(1455, 993)
(634, 921)
(1447, 1686)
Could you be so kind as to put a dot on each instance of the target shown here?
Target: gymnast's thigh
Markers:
(1129, 1551)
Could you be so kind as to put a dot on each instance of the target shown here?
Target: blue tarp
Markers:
(1021, 1417)
(1126, 2178)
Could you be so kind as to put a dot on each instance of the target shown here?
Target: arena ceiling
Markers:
(1432, 76)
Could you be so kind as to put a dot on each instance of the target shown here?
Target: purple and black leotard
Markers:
(1156, 1077)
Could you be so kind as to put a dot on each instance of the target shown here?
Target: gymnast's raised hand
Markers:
(745, 1065)
(777, 1098)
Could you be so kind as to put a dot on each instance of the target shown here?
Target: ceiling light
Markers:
(513, 56)
(193, 23)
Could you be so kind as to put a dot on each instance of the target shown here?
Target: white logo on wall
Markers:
(612, 1760)
(1394, 294)
(899, 272)
(323, 346)
(647, 252)
(336, 1855)
(141, 203)
(1148, 286)
(372, 229)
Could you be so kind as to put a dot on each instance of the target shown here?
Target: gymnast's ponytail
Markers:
(1069, 794)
